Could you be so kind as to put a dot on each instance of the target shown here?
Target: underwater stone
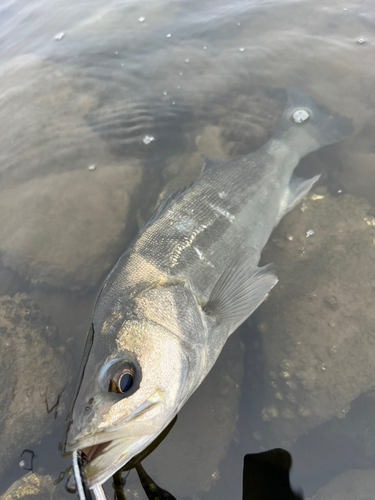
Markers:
(353, 484)
(31, 487)
(320, 316)
(66, 229)
(33, 374)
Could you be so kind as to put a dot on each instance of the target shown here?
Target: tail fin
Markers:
(321, 127)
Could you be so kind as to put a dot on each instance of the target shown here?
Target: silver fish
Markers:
(188, 280)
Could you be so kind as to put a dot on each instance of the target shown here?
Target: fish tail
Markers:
(308, 125)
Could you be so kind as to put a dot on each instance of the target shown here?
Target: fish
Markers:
(187, 281)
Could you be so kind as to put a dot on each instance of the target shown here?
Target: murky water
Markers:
(104, 108)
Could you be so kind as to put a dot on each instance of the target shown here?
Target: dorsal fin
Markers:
(212, 163)
(166, 203)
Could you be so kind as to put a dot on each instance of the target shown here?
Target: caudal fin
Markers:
(317, 127)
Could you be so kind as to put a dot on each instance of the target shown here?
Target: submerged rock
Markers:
(31, 487)
(43, 126)
(318, 324)
(66, 229)
(353, 484)
(183, 170)
(33, 375)
(357, 429)
(252, 119)
(64, 196)
(246, 125)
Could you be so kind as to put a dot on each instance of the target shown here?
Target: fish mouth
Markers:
(102, 460)
(105, 452)
(91, 452)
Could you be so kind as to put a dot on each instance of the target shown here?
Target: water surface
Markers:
(138, 92)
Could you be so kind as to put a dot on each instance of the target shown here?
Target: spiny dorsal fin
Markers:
(212, 163)
(239, 291)
(165, 203)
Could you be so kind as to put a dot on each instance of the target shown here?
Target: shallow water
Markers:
(140, 92)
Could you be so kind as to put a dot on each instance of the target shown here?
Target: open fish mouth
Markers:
(91, 452)
(104, 459)
(104, 453)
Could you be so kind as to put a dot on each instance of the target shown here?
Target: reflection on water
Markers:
(299, 374)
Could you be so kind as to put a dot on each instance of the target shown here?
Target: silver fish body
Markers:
(188, 280)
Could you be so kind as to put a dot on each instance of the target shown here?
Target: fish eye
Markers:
(121, 376)
(123, 379)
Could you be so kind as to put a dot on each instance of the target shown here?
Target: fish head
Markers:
(131, 387)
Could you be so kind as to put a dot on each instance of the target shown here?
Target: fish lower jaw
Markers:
(107, 458)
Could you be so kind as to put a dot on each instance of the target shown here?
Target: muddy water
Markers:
(103, 108)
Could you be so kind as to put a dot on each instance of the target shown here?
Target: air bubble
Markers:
(309, 233)
(148, 139)
(241, 49)
(168, 35)
(300, 115)
(187, 60)
(91, 167)
(141, 19)
(165, 92)
(361, 40)
(59, 36)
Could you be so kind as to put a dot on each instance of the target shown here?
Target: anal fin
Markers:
(239, 291)
(298, 188)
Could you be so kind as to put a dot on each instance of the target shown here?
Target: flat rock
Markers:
(65, 229)
(319, 321)
(33, 374)
(353, 484)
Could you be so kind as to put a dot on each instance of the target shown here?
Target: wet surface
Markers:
(103, 109)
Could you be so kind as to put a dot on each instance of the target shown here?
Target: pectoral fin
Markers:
(239, 291)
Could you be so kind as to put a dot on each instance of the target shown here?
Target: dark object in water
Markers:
(152, 490)
(266, 476)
